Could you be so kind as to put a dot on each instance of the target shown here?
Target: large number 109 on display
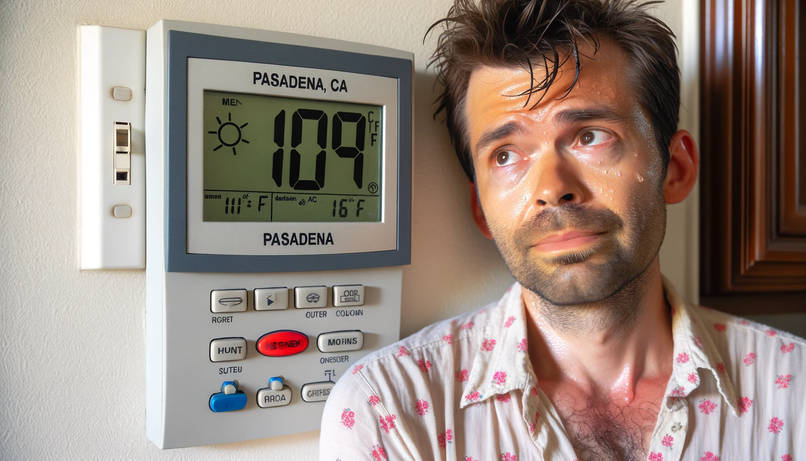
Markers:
(278, 159)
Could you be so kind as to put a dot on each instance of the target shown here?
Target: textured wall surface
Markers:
(72, 342)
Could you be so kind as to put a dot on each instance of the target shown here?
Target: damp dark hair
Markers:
(546, 34)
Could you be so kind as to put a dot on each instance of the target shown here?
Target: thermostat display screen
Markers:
(280, 159)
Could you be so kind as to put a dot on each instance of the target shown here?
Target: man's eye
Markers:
(590, 138)
(506, 157)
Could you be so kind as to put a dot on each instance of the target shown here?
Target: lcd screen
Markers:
(278, 159)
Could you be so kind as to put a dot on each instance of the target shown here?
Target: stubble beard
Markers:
(595, 288)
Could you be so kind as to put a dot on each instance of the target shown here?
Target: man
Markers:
(564, 116)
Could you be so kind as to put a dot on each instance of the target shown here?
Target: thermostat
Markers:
(278, 218)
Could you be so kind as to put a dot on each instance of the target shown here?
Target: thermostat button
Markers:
(227, 402)
(340, 341)
(348, 295)
(282, 343)
(307, 297)
(316, 392)
(268, 398)
(227, 349)
(228, 300)
(270, 299)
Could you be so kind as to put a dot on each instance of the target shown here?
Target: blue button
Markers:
(227, 402)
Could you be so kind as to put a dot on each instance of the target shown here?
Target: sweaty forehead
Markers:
(497, 94)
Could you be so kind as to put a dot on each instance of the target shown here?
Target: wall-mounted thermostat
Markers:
(278, 215)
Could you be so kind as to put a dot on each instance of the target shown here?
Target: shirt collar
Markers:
(502, 362)
(694, 350)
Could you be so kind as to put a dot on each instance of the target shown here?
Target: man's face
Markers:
(571, 189)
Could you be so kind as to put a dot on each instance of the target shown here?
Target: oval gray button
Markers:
(268, 398)
(340, 341)
(316, 392)
(228, 300)
(227, 349)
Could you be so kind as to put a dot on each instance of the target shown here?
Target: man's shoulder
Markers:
(740, 331)
(449, 334)
(763, 363)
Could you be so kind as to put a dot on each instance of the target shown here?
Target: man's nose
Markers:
(558, 182)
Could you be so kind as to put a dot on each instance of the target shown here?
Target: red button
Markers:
(281, 343)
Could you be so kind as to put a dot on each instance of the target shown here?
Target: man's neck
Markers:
(608, 348)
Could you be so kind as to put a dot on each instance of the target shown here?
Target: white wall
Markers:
(72, 343)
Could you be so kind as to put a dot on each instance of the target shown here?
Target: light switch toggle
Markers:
(122, 152)
(229, 399)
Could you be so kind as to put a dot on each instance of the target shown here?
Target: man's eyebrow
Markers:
(595, 113)
(497, 133)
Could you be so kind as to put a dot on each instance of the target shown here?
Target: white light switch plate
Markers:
(112, 184)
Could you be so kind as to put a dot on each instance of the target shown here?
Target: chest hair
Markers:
(602, 430)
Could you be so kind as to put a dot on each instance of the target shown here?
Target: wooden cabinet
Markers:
(753, 151)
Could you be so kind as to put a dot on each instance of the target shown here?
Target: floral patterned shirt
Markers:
(463, 389)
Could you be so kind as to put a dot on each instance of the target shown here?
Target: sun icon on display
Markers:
(229, 133)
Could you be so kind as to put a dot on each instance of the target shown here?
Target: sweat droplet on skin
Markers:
(639, 178)
(618, 173)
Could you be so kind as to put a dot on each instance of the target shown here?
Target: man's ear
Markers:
(478, 214)
(684, 164)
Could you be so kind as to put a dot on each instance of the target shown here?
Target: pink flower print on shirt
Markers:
(720, 327)
(444, 438)
(522, 345)
(744, 405)
(750, 358)
(509, 321)
(468, 458)
(783, 381)
(744, 322)
(403, 351)
(667, 441)
(500, 377)
(357, 368)
(348, 418)
(378, 453)
(786, 458)
(461, 375)
(374, 400)
(709, 456)
(776, 425)
(771, 332)
(508, 457)
(682, 357)
(473, 396)
(488, 345)
(707, 407)
(424, 365)
(422, 407)
(466, 326)
(678, 391)
(693, 378)
(387, 423)
(503, 398)
(655, 456)
(697, 341)
(448, 339)
(787, 347)
(533, 424)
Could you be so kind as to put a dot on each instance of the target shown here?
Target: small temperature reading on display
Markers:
(278, 159)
